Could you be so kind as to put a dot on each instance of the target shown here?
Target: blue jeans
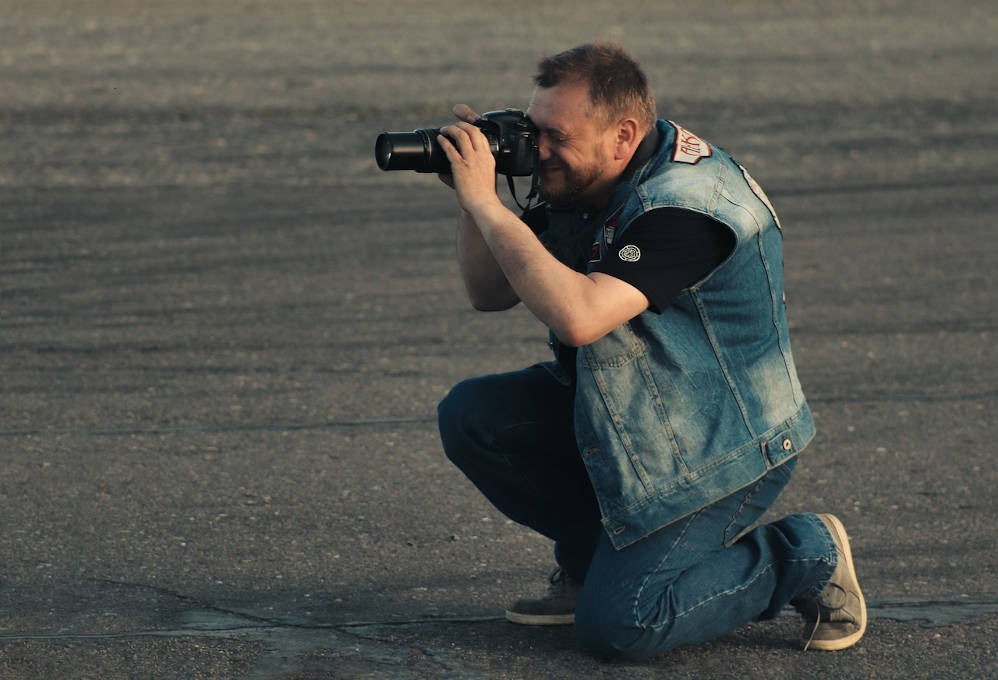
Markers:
(702, 576)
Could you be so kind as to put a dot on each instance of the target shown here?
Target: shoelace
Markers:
(557, 581)
(829, 603)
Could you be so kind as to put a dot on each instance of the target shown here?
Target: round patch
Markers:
(629, 254)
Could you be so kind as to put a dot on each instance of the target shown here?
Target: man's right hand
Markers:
(462, 112)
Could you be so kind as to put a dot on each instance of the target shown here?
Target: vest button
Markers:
(787, 444)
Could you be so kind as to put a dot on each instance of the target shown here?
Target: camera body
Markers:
(511, 135)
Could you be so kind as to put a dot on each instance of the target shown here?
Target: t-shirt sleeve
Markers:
(665, 251)
(536, 219)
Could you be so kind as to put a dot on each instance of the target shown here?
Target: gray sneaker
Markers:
(838, 616)
(556, 607)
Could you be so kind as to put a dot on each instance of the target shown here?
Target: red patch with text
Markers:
(689, 148)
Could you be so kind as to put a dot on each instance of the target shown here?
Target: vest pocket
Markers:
(615, 349)
(626, 442)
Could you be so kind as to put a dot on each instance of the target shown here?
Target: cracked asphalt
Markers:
(224, 332)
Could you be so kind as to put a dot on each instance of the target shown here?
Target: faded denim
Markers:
(696, 578)
(674, 411)
(691, 581)
(678, 432)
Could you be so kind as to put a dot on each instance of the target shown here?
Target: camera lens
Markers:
(417, 151)
(400, 150)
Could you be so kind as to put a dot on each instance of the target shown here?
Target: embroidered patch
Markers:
(689, 148)
(629, 253)
(757, 190)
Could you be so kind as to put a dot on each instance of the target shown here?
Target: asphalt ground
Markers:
(224, 332)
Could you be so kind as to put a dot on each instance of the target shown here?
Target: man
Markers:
(673, 415)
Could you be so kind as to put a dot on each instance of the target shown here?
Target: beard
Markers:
(568, 189)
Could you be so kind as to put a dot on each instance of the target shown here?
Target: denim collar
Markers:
(646, 149)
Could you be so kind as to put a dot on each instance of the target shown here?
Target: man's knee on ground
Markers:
(610, 631)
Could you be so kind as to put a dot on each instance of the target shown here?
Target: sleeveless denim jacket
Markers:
(674, 411)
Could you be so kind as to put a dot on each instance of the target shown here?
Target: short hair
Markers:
(617, 85)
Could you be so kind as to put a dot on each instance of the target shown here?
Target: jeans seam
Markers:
(769, 567)
(831, 558)
(751, 494)
(668, 553)
(698, 605)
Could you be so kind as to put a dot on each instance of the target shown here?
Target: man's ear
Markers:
(627, 138)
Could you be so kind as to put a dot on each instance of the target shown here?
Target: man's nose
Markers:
(544, 149)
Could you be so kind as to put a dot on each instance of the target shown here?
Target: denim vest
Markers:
(674, 411)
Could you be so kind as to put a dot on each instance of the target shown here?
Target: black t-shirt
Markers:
(665, 251)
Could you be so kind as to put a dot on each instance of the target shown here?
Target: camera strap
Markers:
(535, 182)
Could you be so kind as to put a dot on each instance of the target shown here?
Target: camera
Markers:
(511, 135)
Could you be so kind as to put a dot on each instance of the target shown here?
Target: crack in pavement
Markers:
(213, 621)
(390, 421)
(291, 645)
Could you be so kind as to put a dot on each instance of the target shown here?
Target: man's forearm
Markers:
(487, 285)
(579, 308)
(547, 287)
(502, 261)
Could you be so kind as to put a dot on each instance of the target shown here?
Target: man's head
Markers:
(616, 84)
(593, 107)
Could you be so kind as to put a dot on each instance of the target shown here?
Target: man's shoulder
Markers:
(682, 152)
(684, 173)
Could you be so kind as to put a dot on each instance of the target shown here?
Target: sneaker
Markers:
(838, 615)
(556, 607)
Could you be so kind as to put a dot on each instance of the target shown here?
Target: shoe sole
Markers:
(842, 643)
(540, 619)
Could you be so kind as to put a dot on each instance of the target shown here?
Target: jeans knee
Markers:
(608, 632)
(455, 416)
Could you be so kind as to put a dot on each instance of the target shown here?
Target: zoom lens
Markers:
(417, 151)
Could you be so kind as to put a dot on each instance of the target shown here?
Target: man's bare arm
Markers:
(486, 284)
(488, 288)
(579, 308)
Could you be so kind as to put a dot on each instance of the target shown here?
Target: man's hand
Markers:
(473, 167)
(462, 112)
(503, 262)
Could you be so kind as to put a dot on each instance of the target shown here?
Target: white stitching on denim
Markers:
(828, 558)
(726, 593)
(741, 507)
(668, 553)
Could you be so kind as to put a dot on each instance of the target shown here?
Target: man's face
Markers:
(575, 152)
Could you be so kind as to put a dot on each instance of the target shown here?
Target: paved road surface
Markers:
(223, 332)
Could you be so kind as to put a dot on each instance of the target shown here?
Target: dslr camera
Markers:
(512, 139)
